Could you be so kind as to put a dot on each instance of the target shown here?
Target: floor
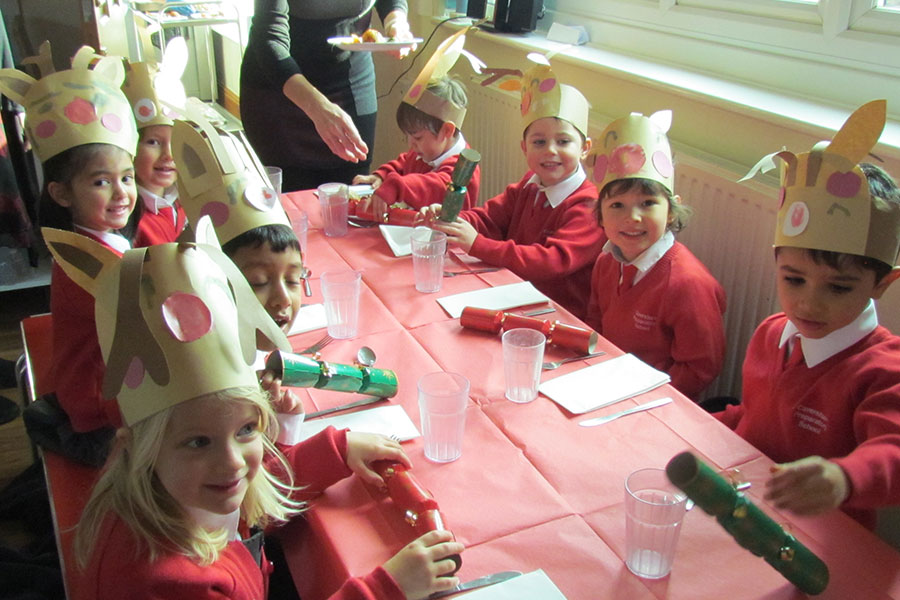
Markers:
(15, 448)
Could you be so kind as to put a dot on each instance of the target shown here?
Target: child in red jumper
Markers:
(649, 295)
(163, 219)
(430, 116)
(542, 227)
(85, 137)
(821, 380)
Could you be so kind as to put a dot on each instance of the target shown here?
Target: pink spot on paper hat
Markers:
(134, 376)
(797, 219)
(144, 109)
(415, 91)
(627, 159)
(662, 163)
(218, 212)
(112, 122)
(600, 167)
(45, 129)
(843, 185)
(547, 84)
(80, 111)
(260, 197)
(187, 316)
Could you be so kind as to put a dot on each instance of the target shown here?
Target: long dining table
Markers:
(532, 489)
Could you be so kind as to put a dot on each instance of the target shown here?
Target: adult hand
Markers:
(423, 567)
(809, 486)
(373, 180)
(337, 130)
(363, 448)
(396, 27)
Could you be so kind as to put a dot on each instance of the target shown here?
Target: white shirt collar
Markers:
(648, 258)
(455, 149)
(819, 350)
(153, 203)
(558, 192)
(211, 521)
(113, 240)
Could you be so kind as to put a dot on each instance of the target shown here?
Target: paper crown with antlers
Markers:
(824, 201)
(174, 321)
(220, 176)
(81, 105)
(148, 84)
(634, 147)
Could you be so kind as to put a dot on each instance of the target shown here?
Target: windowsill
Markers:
(711, 105)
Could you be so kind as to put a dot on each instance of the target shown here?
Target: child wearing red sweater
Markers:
(821, 380)
(194, 476)
(81, 127)
(542, 227)
(430, 116)
(162, 219)
(649, 295)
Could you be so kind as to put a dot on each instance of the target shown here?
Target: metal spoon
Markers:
(307, 289)
(365, 357)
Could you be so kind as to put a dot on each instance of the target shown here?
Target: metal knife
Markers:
(477, 583)
(328, 411)
(614, 416)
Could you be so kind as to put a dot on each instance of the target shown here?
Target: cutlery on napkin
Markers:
(622, 413)
(477, 583)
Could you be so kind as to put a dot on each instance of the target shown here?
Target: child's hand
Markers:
(428, 214)
(373, 205)
(363, 448)
(809, 486)
(421, 568)
(283, 400)
(373, 180)
(459, 232)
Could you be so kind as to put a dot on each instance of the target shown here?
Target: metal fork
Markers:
(326, 339)
(549, 366)
(471, 272)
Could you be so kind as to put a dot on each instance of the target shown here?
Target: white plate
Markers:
(346, 43)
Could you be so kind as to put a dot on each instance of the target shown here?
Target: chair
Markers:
(69, 484)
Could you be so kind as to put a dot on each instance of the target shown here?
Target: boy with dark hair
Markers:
(821, 381)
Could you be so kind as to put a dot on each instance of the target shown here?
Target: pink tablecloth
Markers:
(532, 488)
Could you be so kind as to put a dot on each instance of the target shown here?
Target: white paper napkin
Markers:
(309, 317)
(386, 420)
(602, 384)
(530, 586)
(497, 298)
(397, 237)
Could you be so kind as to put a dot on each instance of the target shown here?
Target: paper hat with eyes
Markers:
(175, 321)
(81, 105)
(437, 67)
(544, 96)
(824, 201)
(147, 84)
(220, 176)
(634, 147)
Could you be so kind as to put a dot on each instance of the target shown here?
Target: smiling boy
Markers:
(542, 227)
(821, 381)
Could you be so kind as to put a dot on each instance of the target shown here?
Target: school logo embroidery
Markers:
(811, 419)
(644, 322)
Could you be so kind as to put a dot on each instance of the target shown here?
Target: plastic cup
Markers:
(333, 198)
(341, 292)
(274, 174)
(442, 408)
(654, 510)
(428, 249)
(301, 229)
(523, 352)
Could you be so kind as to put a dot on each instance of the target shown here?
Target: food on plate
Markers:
(372, 35)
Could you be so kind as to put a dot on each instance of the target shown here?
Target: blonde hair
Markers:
(130, 488)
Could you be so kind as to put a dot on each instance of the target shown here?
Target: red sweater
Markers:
(671, 319)
(844, 409)
(160, 227)
(554, 248)
(78, 367)
(118, 568)
(410, 179)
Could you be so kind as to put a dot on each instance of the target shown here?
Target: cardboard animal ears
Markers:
(150, 87)
(81, 105)
(220, 176)
(541, 93)
(175, 321)
(437, 67)
(824, 200)
(634, 147)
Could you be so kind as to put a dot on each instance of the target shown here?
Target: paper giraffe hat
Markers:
(824, 202)
(81, 105)
(219, 175)
(437, 67)
(175, 321)
(147, 84)
(634, 147)
(544, 96)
